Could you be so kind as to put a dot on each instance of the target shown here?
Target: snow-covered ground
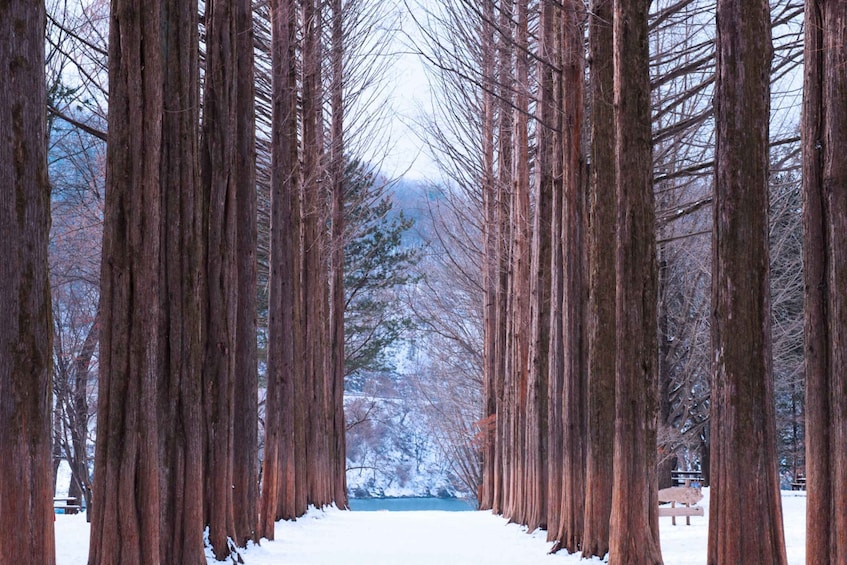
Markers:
(443, 538)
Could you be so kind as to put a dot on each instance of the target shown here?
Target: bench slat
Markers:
(681, 511)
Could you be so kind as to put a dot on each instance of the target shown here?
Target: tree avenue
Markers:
(585, 144)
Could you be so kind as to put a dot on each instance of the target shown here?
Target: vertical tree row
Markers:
(177, 358)
(304, 427)
(574, 442)
(25, 337)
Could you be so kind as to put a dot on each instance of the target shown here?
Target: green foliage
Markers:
(377, 265)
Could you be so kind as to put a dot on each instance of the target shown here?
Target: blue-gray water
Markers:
(411, 504)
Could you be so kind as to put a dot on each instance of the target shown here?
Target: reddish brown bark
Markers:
(572, 507)
(488, 424)
(505, 130)
(125, 514)
(825, 271)
(540, 275)
(634, 525)
(26, 487)
(183, 290)
(245, 444)
(314, 274)
(743, 456)
(278, 472)
(601, 305)
(220, 188)
(337, 429)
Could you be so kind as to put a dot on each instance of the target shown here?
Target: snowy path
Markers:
(436, 538)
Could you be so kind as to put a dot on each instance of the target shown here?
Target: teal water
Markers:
(411, 504)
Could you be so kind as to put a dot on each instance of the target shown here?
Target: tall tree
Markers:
(245, 430)
(338, 456)
(148, 495)
(230, 363)
(743, 453)
(278, 472)
(26, 334)
(824, 135)
(600, 395)
(572, 401)
(634, 526)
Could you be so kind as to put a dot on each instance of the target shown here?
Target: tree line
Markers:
(177, 403)
(618, 338)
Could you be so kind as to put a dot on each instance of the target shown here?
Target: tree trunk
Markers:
(126, 501)
(313, 266)
(824, 133)
(245, 430)
(182, 299)
(537, 401)
(337, 147)
(505, 80)
(601, 305)
(26, 487)
(278, 473)
(220, 187)
(520, 295)
(488, 424)
(743, 459)
(572, 234)
(634, 526)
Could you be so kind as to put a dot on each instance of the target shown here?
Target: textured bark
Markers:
(601, 305)
(634, 525)
(278, 473)
(573, 233)
(337, 429)
(126, 509)
(520, 272)
(220, 185)
(245, 430)
(505, 79)
(26, 334)
(314, 297)
(824, 133)
(488, 424)
(743, 458)
(540, 275)
(183, 289)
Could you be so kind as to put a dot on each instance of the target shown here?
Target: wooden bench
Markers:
(67, 505)
(799, 482)
(687, 478)
(685, 496)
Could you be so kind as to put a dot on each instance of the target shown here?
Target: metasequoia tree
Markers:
(572, 505)
(229, 365)
(338, 456)
(245, 432)
(278, 471)
(634, 526)
(148, 495)
(601, 374)
(743, 454)
(825, 271)
(546, 183)
(25, 338)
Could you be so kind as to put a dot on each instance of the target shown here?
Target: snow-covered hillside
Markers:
(391, 451)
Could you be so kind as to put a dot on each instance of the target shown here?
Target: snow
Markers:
(446, 538)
